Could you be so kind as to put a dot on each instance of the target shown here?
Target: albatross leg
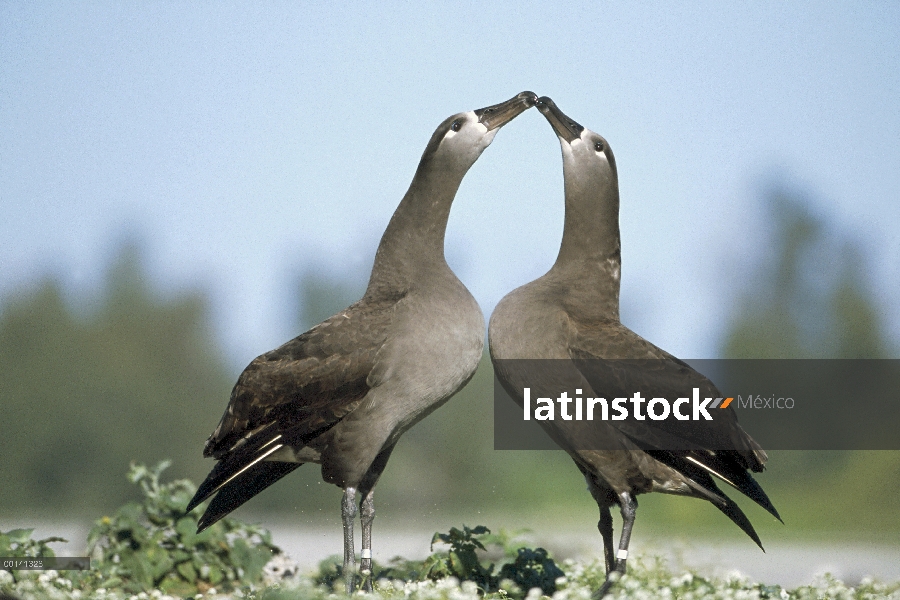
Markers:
(366, 516)
(629, 510)
(348, 513)
(604, 496)
(605, 526)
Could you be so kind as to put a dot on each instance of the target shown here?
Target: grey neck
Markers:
(412, 247)
(589, 263)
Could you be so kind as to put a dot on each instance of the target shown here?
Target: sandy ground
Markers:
(785, 564)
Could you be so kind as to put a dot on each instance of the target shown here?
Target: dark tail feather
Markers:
(737, 516)
(235, 465)
(220, 473)
(726, 469)
(242, 488)
(724, 503)
(699, 474)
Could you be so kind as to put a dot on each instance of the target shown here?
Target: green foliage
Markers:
(647, 577)
(531, 569)
(450, 575)
(17, 543)
(650, 577)
(522, 568)
(153, 544)
(460, 560)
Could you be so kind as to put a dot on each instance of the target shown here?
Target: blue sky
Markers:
(243, 143)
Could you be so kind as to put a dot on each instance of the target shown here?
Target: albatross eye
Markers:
(598, 146)
(456, 125)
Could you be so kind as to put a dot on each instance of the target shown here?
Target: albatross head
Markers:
(585, 154)
(463, 137)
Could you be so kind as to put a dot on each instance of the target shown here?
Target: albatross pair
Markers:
(341, 394)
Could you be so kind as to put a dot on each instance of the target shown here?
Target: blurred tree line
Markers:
(809, 297)
(81, 395)
(140, 378)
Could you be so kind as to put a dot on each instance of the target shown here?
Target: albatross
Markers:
(342, 394)
(570, 316)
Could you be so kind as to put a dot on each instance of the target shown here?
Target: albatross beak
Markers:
(498, 115)
(564, 127)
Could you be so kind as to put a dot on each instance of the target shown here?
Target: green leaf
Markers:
(137, 473)
(19, 536)
(240, 553)
(186, 528)
(158, 562)
(111, 582)
(215, 574)
(187, 571)
(178, 588)
(259, 557)
(152, 544)
(159, 468)
(129, 516)
(139, 569)
(53, 539)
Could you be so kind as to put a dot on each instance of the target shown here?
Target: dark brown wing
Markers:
(308, 383)
(617, 362)
(294, 393)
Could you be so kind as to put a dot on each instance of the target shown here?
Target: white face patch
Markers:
(582, 146)
(589, 143)
(472, 133)
(469, 122)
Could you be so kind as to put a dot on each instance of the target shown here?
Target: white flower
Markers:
(534, 593)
